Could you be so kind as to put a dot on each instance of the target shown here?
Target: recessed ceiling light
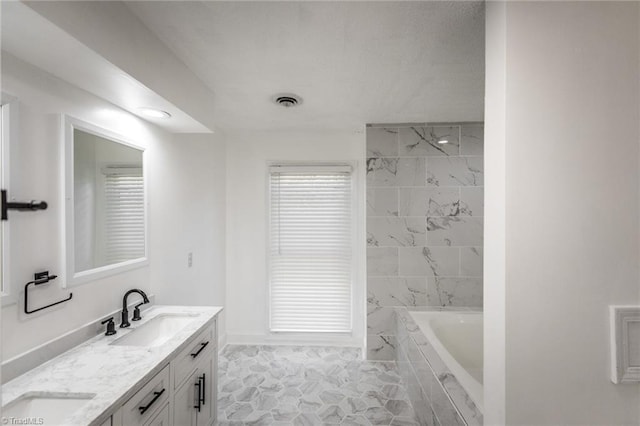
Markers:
(443, 141)
(154, 113)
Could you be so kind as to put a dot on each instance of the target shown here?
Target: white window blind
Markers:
(124, 214)
(310, 249)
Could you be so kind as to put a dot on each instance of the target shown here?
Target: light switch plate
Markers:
(625, 344)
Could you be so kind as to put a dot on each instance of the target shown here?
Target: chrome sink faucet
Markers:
(125, 312)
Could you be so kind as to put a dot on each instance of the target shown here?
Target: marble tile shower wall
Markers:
(424, 223)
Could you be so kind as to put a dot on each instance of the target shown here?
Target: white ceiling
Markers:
(352, 62)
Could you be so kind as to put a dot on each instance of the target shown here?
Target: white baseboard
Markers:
(222, 341)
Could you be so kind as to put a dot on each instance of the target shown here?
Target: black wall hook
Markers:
(24, 206)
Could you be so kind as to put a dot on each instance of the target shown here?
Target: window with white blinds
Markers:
(310, 249)
(124, 214)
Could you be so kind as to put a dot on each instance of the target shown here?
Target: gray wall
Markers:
(424, 223)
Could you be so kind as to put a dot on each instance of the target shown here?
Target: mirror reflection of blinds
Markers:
(124, 214)
(310, 249)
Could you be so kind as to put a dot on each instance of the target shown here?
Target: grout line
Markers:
(425, 187)
(398, 198)
(428, 246)
(425, 124)
(424, 156)
(425, 276)
(420, 216)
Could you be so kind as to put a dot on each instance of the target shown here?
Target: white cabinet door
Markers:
(185, 401)
(195, 401)
(208, 406)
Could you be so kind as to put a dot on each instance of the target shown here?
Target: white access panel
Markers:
(625, 344)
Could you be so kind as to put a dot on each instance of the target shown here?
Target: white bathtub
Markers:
(457, 338)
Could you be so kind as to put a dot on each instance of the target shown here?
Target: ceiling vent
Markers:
(287, 100)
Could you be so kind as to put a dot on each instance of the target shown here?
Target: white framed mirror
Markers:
(7, 134)
(105, 203)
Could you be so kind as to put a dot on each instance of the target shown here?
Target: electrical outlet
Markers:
(190, 259)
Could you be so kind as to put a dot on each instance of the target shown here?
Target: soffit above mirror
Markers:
(35, 40)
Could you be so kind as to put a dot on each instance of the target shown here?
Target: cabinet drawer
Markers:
(146, 402)
(161, 419)
(201, 348)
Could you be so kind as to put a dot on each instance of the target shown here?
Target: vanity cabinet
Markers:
(160, 372)
(196, 396)
(184, 393)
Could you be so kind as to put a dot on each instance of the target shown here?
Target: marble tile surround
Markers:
(300, 386)
(425, 203)
(438, 398)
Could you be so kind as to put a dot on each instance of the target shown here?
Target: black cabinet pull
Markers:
(203, 345)
(199, 386)
(155, 398)
(204, 389)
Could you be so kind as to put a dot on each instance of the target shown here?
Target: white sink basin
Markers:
(53, 409)
(156, 331)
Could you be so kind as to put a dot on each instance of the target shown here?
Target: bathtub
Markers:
(456, 337)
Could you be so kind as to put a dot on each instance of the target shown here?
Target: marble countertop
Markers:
(113, 373)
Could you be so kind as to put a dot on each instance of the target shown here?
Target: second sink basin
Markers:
(156, 331)
(53, 409)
